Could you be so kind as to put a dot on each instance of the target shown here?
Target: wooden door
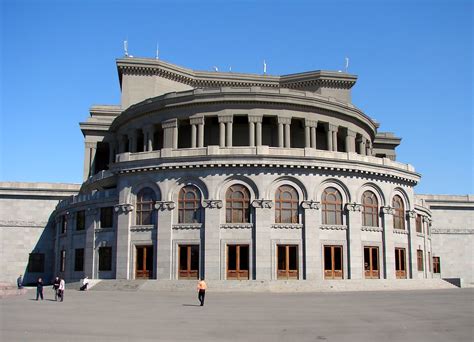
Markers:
(238, 262)
(144, 262)
(333, 262)
(188, 262)
(371, 263)
(400, 263)
(287, 262)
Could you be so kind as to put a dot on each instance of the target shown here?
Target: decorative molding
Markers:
(255, 118)
(262, 203)
(371, 229)
(196, 120)
(400, 231)
(387, 210)
(237, 226)
(187, 226)
(310, 123)
(452, 231)
(171, 123)
(143, 228)
(93, 211)
(284, 120)
(124, 208)
(332, 127)
(286, 226)
(29, 224)
(333, 227)
(224, 118)
(420, 234)
(311, 205)
(212, 204)
(411, 214)
(103, 230)
(354, 207)
(164, 205)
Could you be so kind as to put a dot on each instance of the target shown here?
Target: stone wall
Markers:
(26, 226)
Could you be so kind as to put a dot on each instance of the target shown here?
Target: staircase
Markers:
(275, 285)
(8, 290)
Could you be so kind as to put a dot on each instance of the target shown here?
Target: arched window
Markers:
(332, 206)
(189, 205)
(399, 214)
(145, 201)
(286, 205)
(237, 204)
(370, 214)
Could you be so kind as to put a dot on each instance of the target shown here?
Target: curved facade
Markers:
(237, 176)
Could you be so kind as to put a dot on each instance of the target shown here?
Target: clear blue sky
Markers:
(414, 60)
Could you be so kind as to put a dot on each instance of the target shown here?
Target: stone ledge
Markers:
(333, 227)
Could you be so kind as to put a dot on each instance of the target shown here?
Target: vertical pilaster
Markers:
(310, 133)
(211, 244)
(361, 143)
(164, 236)
(256, 121)
(89, 248)
(280, 134)
(307, 137)
(170, 133)
(262, 249)
(412, 261)
(284, 132)
(355, 252)
(312, 241)
(251, 134)
(122, 267)
(193, 135)
(350, 141)
(201, 133)
(313, 137)
(225, 130)
(222, 134)
(228, 131)
(334, 139)
(388, 245)
(259, 132)
(90, 150)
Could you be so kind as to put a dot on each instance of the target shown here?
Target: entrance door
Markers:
(287, 256)
(238, 262)
(333, 262)
(188, 262)
(371, 262)
(400, 263)
(144, 262)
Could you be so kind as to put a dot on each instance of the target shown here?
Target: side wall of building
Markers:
(26, 227)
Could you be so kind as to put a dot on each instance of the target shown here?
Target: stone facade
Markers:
(195, 173)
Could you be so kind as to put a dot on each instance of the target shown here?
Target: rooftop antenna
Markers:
(157, 51)
(347, 64)
(125, 47)
(264, 67)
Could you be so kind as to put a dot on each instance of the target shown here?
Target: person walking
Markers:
(85, 283)
(56, 288)
(19, 282)
(202, 286)
(39, 288)
(62, 287)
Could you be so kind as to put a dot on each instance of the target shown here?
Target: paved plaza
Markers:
(431, 315)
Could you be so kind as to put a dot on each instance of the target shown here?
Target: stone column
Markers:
(307, 136)
(388, 245)
(259, 132)
(251, 134)
(197, 131)
(221, 134)
(313, 137)
(412, 261)
(164, 236)
(350, 141)
(89, 248)
(210, 247)
(228, 131)
(332, 143)
(355, 252)
(225, 130)
(148, 136)
(369, 148)
(361, 142)
(262, 249)
(284, 134)
(256, 121)
(122, 266)
(334, 139)
(310, 133)
(90, 150)
(312, 241)
(170, 133)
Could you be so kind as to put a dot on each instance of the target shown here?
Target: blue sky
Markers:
(414, 60)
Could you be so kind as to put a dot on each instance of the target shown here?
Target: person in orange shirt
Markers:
(201, 290)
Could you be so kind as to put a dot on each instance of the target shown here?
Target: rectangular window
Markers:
(237, 262)
(287, 256)
(106, 217)
(79, 260)
(400, 263)
(36, 263)
(419, 257)
(81, 220)
(436, 265)
(419, 228)
(188, 262)
(371, 262)
(63, 224)
(105, 259)
(62, 261)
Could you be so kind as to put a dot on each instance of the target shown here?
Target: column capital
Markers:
(212, 204)
(387, 210)
(123, 208)
(332, 127)
(225, 118)
(262, 203)
(171, 123)
(164, 205)
(311, 205)
(255, 118)
(411, 214)
(197, 120)
(310, 123)
(354, 207)
(90, 144)
(361, 139)
(284, 120)
(351, 133)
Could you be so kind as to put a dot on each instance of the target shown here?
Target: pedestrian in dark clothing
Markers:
(201, 291)
(19, 282)
(39, 288)
(56, 288)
